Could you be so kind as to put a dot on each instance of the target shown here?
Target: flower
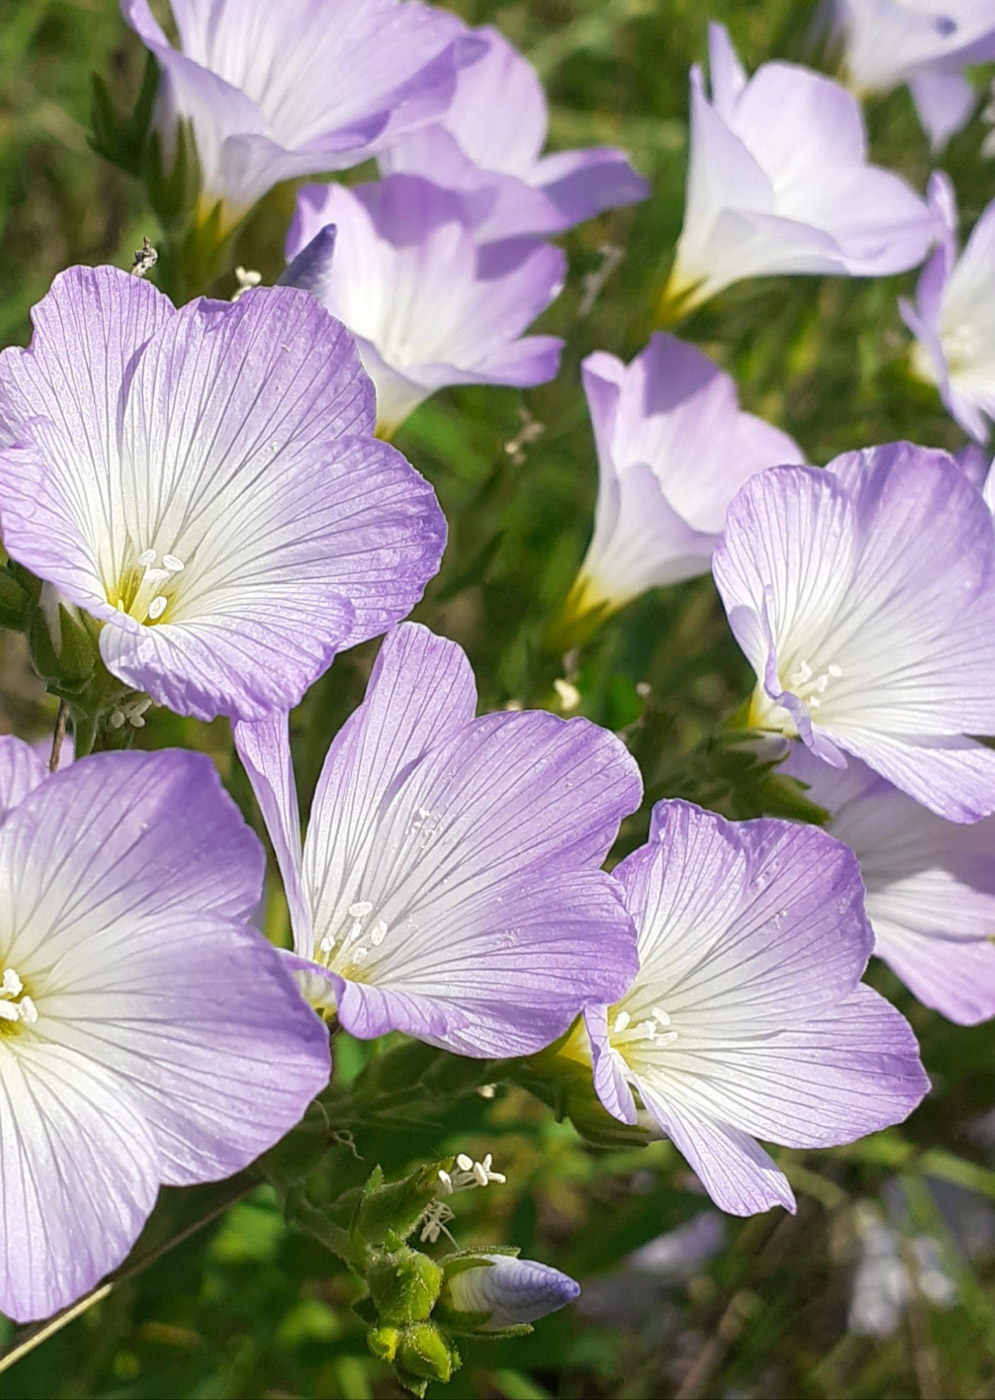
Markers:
(927, 45)
(504, 1291)
(953, 316)
(673, 449)
(277, 91)
(778, 182)
(450, 883)
(496, 164)
(863, 598)
(204, 485)
(747, 1017)
(427, 304)
(930, 884)
(148, 1034)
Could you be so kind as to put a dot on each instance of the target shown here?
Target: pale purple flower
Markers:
(747, 1018)
(504, 1291)
(673, 449)
(953, 318)
(864, 598)
(204, 484)
(778, 183)
(428, 305)
(488, 145)
(450, 883)
(148, 1034)
(926, 44)
(930, 884)
(274, 91)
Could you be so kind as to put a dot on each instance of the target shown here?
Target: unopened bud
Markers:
(405, 1286)
(503, 1291)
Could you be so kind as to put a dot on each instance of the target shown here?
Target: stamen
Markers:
(327, 943)
(147, 557)
(360, 956)
(620, 1022)
(15, 1004)
(360, 909)
(378, 933)
(464, 1162)
(173, 563)
(157, 606)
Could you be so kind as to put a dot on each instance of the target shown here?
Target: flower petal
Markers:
(736, 1172)
(79, 1174)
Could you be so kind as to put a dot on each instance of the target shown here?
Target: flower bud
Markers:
(405, 1286)
(506, 1292)
(425, 1353)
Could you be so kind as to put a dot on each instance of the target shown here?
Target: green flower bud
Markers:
(395, 1207)
(384, 1341)
(405, 1285)
(425, 1354)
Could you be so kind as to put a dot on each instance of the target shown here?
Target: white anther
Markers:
(174, 564)
(620, 1022)
(9, 1011)
(28, 1010)
(157, 606)
(660, 1016)
(802, 674)
(814, 702)
(464, 1162)
(360, 956)
(327, 943)
(355, 932)
(116, 720)
(487, 1091)
(155, 576)
(11, 986)
(834, 671)
(445, 1179)
(378, 933)
(479, 1173)
(360, 909)
(147, 557)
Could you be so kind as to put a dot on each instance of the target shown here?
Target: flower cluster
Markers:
(200, 511)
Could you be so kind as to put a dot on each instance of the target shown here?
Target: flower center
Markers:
(349, 948)
(16, 1007)
(809, 687)
(654, 1030)
(146, 589)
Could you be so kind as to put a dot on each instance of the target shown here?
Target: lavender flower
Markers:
(427, 304)
(863, 598)
(673, 450)
(147, 1034)
(954, 314)
(204, 485)
(747, 1017)
(778, 182)
(930, 885)
(450, 883)
(504, 1291)
(927, 45)
(509, 186)
(277, 91)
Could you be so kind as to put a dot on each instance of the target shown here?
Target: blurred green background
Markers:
(765, 1307)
